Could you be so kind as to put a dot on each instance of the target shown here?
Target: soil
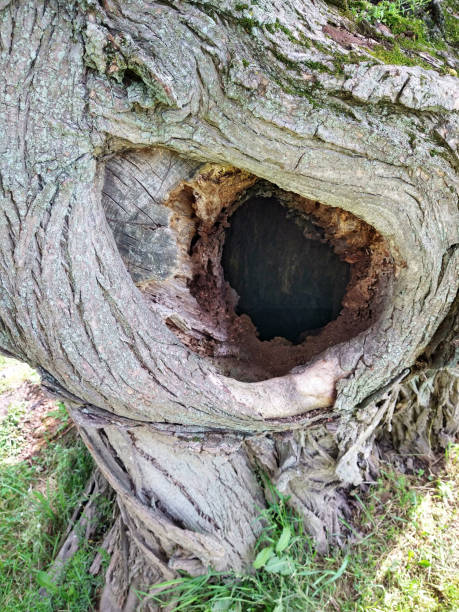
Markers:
(37, 426)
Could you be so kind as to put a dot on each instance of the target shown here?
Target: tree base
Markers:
(303, 466)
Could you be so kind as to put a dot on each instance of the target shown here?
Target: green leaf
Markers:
(262, 557)
(284, 539)
(339, 573)
(45, 581)
(280, 565)
(424, 563)
(221, 605)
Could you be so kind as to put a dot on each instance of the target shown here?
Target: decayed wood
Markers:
(275, 96)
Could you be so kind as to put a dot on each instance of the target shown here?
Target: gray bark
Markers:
(128, 128)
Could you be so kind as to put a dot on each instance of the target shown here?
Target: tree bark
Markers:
(131, 130)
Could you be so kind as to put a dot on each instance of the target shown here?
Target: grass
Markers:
(406, 557)
(288, 574)
(12, 438)
(37, 499)
(409, 559)
(13, 373)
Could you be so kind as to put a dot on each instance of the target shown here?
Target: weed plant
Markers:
(403, 557)
(405, 20)
(399, 15)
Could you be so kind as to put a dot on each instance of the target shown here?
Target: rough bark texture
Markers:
(129, 129)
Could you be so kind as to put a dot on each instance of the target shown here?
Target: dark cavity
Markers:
(289, 284)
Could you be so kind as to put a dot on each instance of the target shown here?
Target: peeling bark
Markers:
(131, 132)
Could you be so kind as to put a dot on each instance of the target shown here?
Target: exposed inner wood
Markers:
(200, 306)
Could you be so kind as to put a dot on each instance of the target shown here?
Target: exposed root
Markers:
(425, 418)
(82, 526)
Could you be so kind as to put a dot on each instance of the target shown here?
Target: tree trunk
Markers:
(133, 132)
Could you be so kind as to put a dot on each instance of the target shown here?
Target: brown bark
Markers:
(131, 132)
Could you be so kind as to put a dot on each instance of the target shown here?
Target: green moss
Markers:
(304, 41)
(319, 46)
(398, 15)
(319, 66)
(410, 31)
(451, 22)
(290, 64)
(398, 57)
(206, 7)
(276, 26)
(287, 32)
(310, 91)
(297, 66)
(340, 60)
(406, 24)
(412, 44)
(248, 23)
(403, 18)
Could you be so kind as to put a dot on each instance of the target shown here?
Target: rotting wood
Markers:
(195, 301)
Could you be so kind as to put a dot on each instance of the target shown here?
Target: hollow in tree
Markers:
(168, 170)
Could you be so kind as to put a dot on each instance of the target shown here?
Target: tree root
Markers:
(82, 526)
